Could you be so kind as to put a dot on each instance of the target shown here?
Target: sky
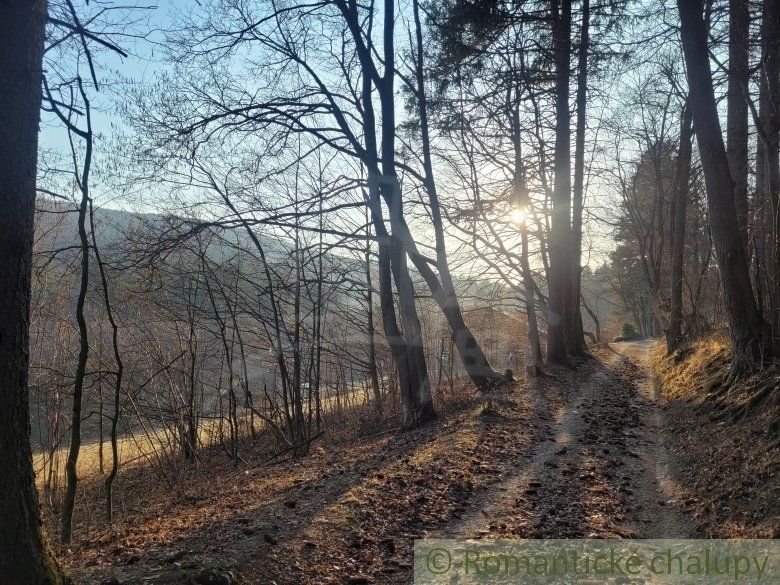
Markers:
(147, 59)
(114, 73)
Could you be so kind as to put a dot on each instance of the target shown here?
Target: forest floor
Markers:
(586, 453)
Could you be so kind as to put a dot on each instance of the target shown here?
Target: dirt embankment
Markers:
(723, 441)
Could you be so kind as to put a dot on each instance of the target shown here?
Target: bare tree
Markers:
(576, 338)
(737, 112)
(118, 373)
(746, 325)
(560, 289)
(82, 179)
(680, 205)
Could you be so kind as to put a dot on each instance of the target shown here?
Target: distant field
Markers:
(142, 446)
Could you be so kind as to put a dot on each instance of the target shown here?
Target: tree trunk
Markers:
(576, 337)
(770, 32)
(560, 229)
(762, 216)
(71, 471)
(118, 374)
(737, 111)
(300, 422)
(521, 194)
(373, 374)
(318, 330)
(24, 554)
(595, 319)
(530, 305)
(471, 353)
(683, 175)
(406, 347)
(413, 381)
(473, 357)
(190, 440)
(418, 402)
(746, 325)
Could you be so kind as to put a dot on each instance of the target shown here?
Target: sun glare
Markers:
(518, 216)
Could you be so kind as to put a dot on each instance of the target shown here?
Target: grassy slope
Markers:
(728, 459)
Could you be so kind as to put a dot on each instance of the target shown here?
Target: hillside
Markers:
(594, 454)
(726, 448)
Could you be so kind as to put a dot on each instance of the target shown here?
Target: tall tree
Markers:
(746, 324)
(770, 135)
(520, 186)
(576, 343)
(472, 355)
(418, 406)
(737, 109)
(82, 182)
(680, 205)
(378, 157)
(559, 318)
(24, 555)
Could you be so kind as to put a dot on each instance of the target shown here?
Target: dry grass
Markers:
(685, 374)
(725, 445)
(133, 449)
(161, 443)
(215, 503)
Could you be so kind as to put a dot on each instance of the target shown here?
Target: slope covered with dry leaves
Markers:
(585, 452)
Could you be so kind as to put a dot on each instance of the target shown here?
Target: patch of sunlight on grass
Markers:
(684, 373)
(132, 449)
(465, 439)
(143, 447)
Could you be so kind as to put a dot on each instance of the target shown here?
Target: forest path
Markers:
(578, 453)
(600, 471)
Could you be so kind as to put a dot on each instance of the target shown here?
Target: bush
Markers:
(628, 330)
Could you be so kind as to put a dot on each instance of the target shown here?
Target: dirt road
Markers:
(601, 470)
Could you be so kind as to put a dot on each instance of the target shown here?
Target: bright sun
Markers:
(518, 216)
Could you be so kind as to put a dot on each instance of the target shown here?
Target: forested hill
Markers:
(120, 231)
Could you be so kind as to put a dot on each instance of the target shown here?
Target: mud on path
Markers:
(574, 454)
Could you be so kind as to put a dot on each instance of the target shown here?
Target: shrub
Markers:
(628, 330)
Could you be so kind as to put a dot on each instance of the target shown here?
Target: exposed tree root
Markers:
(490, 383)
(760, 393)
(714, 386)
(725, 399)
